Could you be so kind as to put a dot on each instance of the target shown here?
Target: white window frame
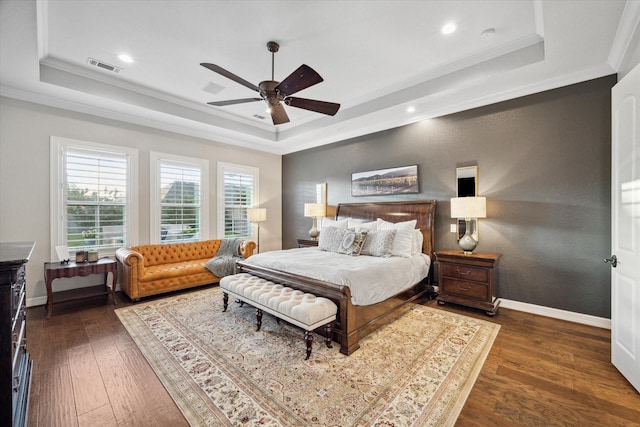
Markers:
(58, 209)
(155, 220)
(255, 197)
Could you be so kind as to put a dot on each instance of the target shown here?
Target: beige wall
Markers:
(25, 130)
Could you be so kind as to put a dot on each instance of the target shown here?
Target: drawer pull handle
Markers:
(464, 273)
(463, 289)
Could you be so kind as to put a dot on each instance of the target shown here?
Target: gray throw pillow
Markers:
(378, 243)
(352, 242)
(331, 238)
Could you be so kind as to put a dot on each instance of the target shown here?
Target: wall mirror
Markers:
(321, 194)
(467, 186)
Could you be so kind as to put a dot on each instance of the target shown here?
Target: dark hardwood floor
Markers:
(540, 372)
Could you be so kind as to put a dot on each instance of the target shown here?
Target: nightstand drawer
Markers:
(477, 274)
(465, 289)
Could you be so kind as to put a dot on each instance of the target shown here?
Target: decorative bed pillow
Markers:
(328, 222)
(331, 239)
(418, 239)
(356, 223)
(352, 242)
(378, 243)
(369, 226)
(403, 241)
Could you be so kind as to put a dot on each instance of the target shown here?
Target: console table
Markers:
(56, 270)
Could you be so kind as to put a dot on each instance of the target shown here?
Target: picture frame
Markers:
(381, 182)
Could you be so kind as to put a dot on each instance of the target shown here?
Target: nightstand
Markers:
(469, 280)
(307, 243)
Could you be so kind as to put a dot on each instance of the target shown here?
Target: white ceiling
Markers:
(376, 57)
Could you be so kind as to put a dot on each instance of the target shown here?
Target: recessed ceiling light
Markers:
(125, 58)
(449, 28)
(411, 109)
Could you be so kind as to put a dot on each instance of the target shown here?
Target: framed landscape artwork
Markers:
(400, 180)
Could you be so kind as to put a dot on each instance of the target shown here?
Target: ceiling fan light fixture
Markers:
(278, 94)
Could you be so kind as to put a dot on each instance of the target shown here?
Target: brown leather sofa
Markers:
(154, 269)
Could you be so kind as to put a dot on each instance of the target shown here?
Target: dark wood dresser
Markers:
(470, 280)
(15, 365)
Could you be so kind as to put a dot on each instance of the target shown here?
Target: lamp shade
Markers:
(469, 207)
(257, 214)
(314, 210)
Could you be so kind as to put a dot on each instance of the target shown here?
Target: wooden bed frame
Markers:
(355, 322)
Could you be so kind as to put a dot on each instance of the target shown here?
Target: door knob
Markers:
(613, 260)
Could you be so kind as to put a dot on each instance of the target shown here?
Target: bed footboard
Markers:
(352, 322)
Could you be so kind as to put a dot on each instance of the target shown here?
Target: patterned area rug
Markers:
(417, 370)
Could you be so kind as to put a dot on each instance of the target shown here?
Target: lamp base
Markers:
(314, 233)
(467, 243)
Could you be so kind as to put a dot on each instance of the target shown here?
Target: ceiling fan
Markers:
(276, 93)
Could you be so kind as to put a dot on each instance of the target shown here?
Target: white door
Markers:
(625, 227)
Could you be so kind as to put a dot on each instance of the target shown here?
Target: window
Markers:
(179, 200)
(92, 196)
(237, 191)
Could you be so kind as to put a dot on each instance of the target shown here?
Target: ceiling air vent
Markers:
(258, 116)
(103, 65)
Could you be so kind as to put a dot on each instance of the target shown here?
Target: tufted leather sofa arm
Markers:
(246, 248)
(153, 269)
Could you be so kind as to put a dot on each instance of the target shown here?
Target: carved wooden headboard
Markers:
(421, 210)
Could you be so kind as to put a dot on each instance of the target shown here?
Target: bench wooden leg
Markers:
(225, 301)
(258, 319)
(327, 334)
(308, 338)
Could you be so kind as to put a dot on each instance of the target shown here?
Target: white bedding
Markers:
(371, 279)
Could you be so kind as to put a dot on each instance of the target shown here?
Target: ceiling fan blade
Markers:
(329, 108)
(278, 114)
(301, 78)
(217, 69)
(233, 101)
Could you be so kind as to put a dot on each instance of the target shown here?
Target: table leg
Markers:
(49, 305)
(114, 281)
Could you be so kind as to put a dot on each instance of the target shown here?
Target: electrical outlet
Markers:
(453, 228)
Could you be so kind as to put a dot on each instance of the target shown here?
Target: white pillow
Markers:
(360, 224)
(328, 222)
(378, 243)
(403, 240)
(331, 238)
(418, 239)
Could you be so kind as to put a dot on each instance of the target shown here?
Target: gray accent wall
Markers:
(544, 165)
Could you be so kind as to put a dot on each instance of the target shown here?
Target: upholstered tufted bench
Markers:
(293, 306)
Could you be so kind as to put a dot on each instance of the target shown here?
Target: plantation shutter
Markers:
(180, 201)
(238, 197)
(95, 186)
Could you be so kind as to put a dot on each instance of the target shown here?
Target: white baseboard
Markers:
(570, 316)
(34, 302)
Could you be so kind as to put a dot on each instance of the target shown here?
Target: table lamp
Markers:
(468, 208)
(315, 211)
